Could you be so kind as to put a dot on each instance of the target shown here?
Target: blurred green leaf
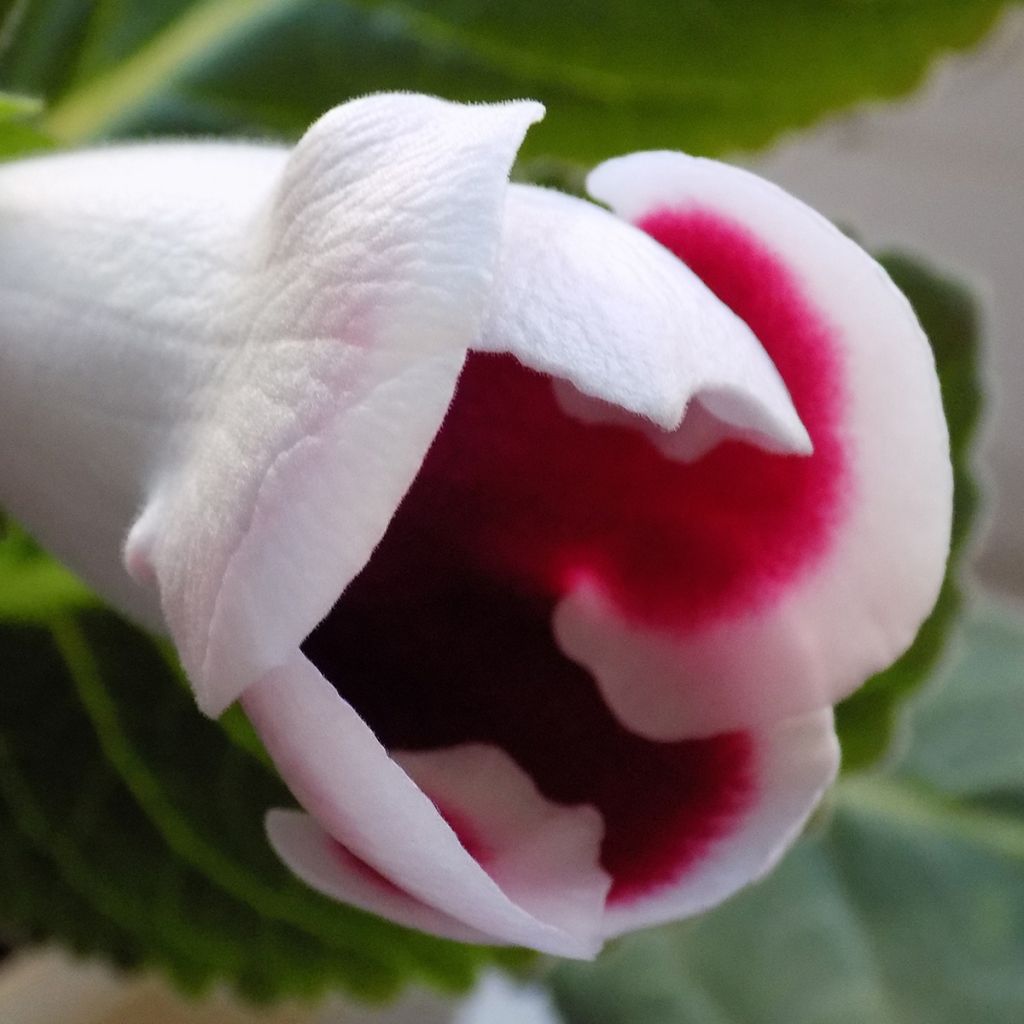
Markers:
(867, 721)
(33, 586)
(18, 132)
(133, 827)
(909, 909)
(966, 727)
(701, 76)
(19, 138)
(13, 105)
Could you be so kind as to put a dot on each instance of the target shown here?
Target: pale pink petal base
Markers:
(325, 865)
(341, 775)
(544, 856)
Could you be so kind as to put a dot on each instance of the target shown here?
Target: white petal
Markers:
(858, 605)
(113, 264)
(342, 776)
(325, 865)
(253, 348)
(545, 856)
(376, 270)
(594, 302)
(795, 762)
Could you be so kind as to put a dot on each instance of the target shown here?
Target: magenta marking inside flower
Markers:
(445, 637)
(765, 518)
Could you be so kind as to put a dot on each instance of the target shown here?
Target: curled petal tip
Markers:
(586, 298)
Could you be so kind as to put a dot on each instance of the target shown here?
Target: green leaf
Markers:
(967, 725)
(13, 106)
(702, 76)
(18, 134)
(893, 918)
(908, 909)
(34, 587)
(132, 827)
(867, 721)
(18, 138)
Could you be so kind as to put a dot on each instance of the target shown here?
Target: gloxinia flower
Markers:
(537, 540)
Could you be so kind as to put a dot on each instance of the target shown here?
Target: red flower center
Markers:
(445, 637)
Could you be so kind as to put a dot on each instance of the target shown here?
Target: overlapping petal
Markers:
(835, 592)
(597, 514)
(370, 274)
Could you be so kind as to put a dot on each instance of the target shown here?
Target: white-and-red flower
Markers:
(537, 540)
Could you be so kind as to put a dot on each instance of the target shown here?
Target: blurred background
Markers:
(123, 899)
(941, 173)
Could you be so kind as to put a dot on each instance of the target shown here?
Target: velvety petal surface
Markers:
(252, 346)
(595, 303)
(114, 264)
(367, 274)
(816, 572)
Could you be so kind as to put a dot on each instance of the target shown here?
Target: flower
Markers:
(545, 661)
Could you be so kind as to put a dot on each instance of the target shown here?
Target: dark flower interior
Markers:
(446, 636)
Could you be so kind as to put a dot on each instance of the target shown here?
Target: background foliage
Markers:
(703, 75)
(132, 827)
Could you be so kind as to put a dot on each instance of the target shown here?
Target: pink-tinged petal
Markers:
(813, 573)
(325, 865)
(793, 763)
(368, 272)
(343, 776)
(595, 303)
(544, 855)
(446, 637)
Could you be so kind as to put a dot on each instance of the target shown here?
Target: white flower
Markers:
(580, 626)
